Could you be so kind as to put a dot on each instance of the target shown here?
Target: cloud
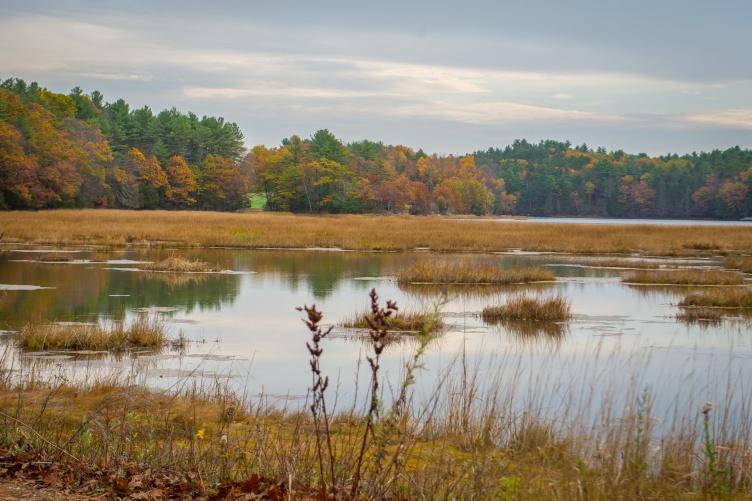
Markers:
(275, 78)
(133, 77)
(278, 92)
(499, 112)
(736, 118)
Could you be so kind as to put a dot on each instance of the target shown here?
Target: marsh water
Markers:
(244, 330)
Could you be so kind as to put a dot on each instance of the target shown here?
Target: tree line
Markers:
(76, 150)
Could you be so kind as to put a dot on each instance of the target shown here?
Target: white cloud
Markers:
(133, 77)
(499, 112)
(736, 118)
(279, 92)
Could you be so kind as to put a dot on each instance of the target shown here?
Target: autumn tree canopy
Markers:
(77, 150)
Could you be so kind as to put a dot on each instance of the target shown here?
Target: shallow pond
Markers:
(244, 329)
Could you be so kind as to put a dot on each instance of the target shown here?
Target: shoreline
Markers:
(377, 233)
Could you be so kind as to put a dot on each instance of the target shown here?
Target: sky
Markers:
(653, 76)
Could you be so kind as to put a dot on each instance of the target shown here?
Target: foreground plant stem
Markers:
(319, 385)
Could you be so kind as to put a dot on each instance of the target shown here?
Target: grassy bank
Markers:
(437, 271)
(120, 228)
(462, 444)
(141, 333)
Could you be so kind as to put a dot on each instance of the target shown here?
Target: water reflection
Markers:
(94, 292)
(528, 332)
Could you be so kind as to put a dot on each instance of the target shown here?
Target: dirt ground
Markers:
(20, 489)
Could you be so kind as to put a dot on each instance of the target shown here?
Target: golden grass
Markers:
(741, 263)
(179, 264)
(362, 232)
(476, 449)
(685, 277)
(439, 271)
(551, 309)
(141, 333)
(736, 297)
(402, 321)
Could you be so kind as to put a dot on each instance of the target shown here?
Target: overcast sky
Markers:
(449, 77)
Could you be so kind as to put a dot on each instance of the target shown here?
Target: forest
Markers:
(76, 150)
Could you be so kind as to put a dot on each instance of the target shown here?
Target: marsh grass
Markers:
(119, 228)
(684, 277)
(425, 322)
(531, 309)
(467, 441)
(179, 265)
(732, 297)
(741, 263)
(466, 272)
(144, 332)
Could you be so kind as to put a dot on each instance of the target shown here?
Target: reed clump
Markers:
(741, 263)
(523, 308)
(736, 297)
(180, 265)
(143, 332)
(465, 272)
(425, 322)
(684, 277)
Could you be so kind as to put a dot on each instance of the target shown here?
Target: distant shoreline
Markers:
(395, 233)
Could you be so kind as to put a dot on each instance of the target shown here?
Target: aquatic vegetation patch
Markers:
(733, 297)
(468, 272)
(424, 322)
(181, 265)
(741, 263)
(525, 308)
(144, 332)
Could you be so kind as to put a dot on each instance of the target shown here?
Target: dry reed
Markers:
(468, 272)
(402, 321)
(736, 297)
(143, 332)
(741, 263)
(551, 309)
(179, 264)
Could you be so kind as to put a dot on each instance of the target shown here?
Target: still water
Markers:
(245, 331)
